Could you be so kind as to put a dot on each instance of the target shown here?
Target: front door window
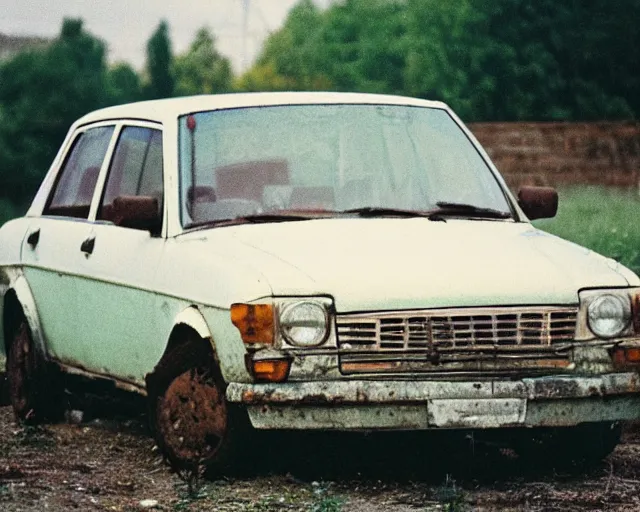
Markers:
(135, 171)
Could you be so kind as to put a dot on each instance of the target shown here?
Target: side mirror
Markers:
(538, 202)
(137, 212)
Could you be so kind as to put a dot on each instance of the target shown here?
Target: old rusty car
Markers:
(310, 261)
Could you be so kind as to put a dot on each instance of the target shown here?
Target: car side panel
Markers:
(11, 235)
(119, 318)
(50, 268)
(20, 287)
(4, 287)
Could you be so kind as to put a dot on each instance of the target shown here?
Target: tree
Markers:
(159, 64)
(264, 77)
(500, 60)
(364, 46)
(563, 60)
(123, 84)
(293, 57)
(42, 91)
(202, 70)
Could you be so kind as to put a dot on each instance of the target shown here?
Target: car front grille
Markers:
(467, 339)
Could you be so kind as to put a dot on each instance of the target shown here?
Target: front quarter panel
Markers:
(13, 279)
(200, 275)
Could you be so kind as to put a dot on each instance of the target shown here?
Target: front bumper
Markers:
(404, 404)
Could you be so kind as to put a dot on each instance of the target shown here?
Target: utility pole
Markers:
(245, 32)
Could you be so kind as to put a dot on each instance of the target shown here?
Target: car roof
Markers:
(167, 110)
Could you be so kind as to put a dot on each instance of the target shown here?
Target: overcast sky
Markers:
(126, 25)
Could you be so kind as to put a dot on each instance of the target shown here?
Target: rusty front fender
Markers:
(18, 287)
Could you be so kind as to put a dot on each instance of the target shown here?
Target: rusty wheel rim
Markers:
(192, 417)
(19, 369)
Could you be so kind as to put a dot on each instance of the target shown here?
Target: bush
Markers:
(8, 211)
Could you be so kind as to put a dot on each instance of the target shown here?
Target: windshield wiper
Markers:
(381, 211)
(256, 218)
(446, 209)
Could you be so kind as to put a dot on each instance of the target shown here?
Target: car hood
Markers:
(385, 264)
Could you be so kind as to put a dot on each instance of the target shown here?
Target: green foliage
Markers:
(264, 77)
(361, 55)
(42, 91)
(326, 501)
(45, 89)
(355, 45)
(600, 219)
(292, 58)
(451, 496)
(559, 60)
(8, 211)
(123, 84)
(448, 54)
(501, 60)
(159, 64)
(202, 70)
(36, 436)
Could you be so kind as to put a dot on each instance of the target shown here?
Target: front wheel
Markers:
(193, 423)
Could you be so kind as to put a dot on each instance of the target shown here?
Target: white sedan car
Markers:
(310, 261)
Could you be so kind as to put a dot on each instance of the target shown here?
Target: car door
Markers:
(118, 305)
(54, 247)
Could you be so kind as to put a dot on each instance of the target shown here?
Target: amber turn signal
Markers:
(625, 356)
(254, 321)
(271, 370)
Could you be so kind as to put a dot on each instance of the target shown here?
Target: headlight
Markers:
(609, 315)
(304, 324)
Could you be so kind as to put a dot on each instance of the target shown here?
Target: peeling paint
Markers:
(569, 400)
(592, 360)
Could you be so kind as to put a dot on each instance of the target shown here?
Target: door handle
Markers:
(88, 245)
(33, 238)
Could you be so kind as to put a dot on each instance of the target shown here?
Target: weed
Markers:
(189, 494)
(450, 496)
(325, 501)
(328, 504)
(35, 436)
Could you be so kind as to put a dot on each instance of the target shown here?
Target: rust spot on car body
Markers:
(555, 388)
(320, 399)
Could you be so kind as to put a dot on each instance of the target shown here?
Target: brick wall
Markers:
(558, 154)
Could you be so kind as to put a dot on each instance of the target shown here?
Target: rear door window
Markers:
(77, 179)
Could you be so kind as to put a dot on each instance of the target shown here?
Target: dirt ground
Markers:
(105, 459)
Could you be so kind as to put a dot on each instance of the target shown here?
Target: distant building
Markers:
(10, 45)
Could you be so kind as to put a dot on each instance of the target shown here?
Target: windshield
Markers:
(328, 158)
